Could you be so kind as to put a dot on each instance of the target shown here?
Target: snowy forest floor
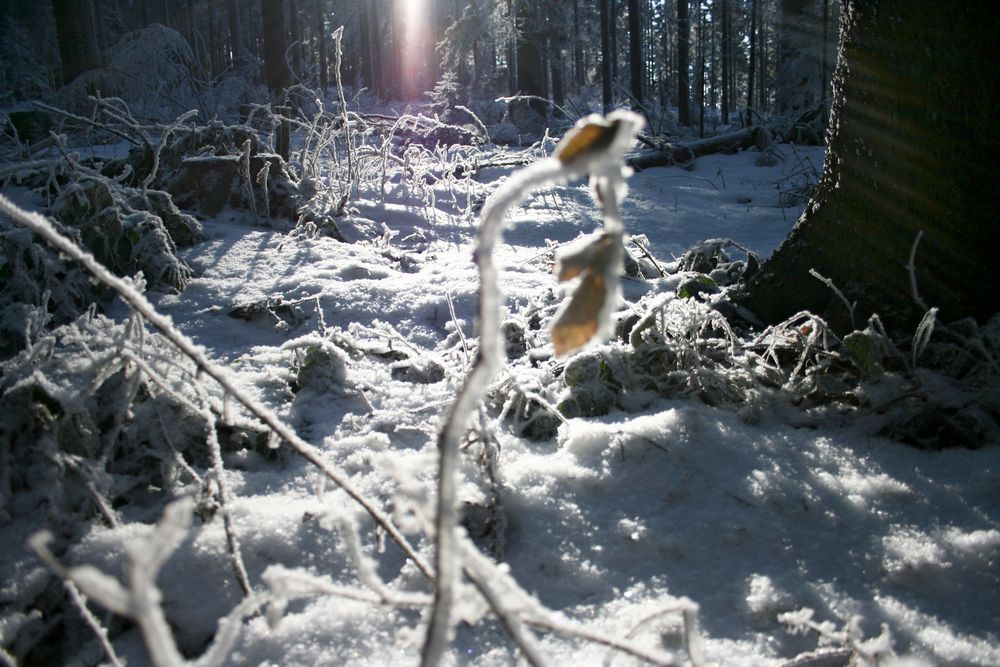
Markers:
(748, 511)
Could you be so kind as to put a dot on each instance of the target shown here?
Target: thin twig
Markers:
(225, 504)
(911, 268)
(102, 634)
(604, 163)
(829, 283)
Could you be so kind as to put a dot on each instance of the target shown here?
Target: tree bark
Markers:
(77, 46)
(295, 38)
(578, 77)
(912, 147)
(235, 33)
(752, 61)
(276, 73)
(798, 65)
(606, 74)
(677, 153)
(530, 63)
(320, 19)
(726, 52)
(683, 73)
(635, 51)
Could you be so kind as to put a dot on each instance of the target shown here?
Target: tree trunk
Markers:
(77, 46)
(798, 66)
(701, 71)
(635, 51)
(613, 28)
(677, 153)
(752, 61)
(235, 33)
(276, 73)
(578, 77)
(558, 78)
(683, 73)
(530, 62)
(295, 38)
(726, 53)
(606, 72)
(912, 147)
(320, 20)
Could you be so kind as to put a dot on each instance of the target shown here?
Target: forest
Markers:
(499, 332)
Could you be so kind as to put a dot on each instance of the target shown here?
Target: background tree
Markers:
(683, 69)
(77, 44)
(912, 144)
(636, 64)
(236, 43)
(274, 43)
(530, 63)
(797, 77)
(607, 76)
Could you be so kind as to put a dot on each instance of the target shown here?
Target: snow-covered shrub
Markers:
(99, 412)
(38, 290)
(151, 68)
(445, 94)
(27, 54)
(117, 225)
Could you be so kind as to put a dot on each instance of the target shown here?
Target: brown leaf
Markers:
(578, 322)
(593, 256)
(585, 139)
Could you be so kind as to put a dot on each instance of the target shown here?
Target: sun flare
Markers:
(414, 19)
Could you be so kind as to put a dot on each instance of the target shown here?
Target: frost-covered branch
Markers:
(102, 634)
(140, 600)
(225, 504)
(596, 147)
(865, 653)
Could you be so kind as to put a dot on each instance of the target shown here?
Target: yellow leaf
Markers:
(578, 323)
(586, 139)
(593, 256)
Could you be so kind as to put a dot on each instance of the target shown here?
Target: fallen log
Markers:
(678, 153)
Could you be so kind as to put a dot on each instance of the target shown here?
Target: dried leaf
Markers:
(586, 139)
(579, 321)
(591, 256)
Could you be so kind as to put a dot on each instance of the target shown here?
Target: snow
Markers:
(613, 523)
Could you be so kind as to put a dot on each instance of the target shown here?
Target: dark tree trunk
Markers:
(235, 33)
(666, 56)
(320, 18)
(276, 73)
(798, 67)
(635, 51)
(578, 77)
(752, 62)
(613, 25)
(367, 52)
(530, 61)
(823, 86)
(558, 79)
(912, 147)
(683, 73)
(295, 38)
(77, 46)
(726, 53)
(214, 66)
(701, 71)
(606, 73)
(100, 34)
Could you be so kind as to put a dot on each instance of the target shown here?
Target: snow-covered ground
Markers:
(615, 521)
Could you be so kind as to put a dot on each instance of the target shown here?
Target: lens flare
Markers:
(415, 36)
